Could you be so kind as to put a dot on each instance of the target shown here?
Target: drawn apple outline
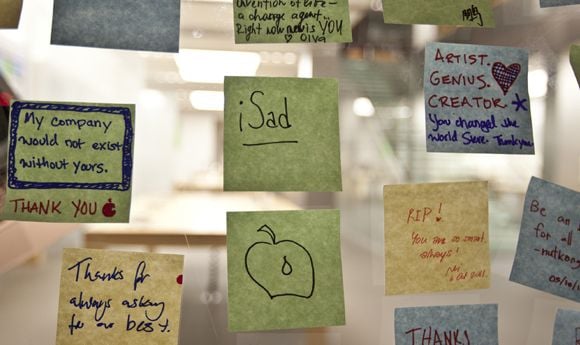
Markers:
(286, 269)
(109, 209)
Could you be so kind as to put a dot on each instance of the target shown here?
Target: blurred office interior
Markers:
(177, 177)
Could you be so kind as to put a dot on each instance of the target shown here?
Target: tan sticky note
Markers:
(436, 237)
(119, 298)
(10, 13)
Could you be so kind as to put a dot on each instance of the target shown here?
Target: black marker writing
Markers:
(140, 275)
(88, 275)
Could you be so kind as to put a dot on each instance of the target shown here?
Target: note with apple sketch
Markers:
(281, 134)
(284, 270)
(69, 162)
(293, 255)
(566, 327)
(476, 99)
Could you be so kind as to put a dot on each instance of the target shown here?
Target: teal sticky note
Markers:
(575, 61)
(281, 134)
(566, 327)
(69, 162)
(457, 324)
(292, 21)
(151, 25)
(472, 13)
(284, 270)
(476, 99)
(553, 3)
(548, 252)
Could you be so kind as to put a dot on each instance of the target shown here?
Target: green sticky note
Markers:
(284, 270)
(10, 13)
(575, 61)
(292, 21)
(281, 134)
(69, 162)
(473, 13)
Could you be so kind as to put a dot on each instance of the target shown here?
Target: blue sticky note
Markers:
(553, 3)
(566, 327)
(548, 253)
(151, 25)
(458, 324)
(476, 99)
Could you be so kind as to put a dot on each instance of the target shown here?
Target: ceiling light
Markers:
(538, 83)
(211, 66)
(363, 106)
(207, 100)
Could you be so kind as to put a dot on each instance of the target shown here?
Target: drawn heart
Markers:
(505, 76)
(288, 37)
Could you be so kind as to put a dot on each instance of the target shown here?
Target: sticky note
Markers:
(151, 25)
(566, 327)
(458, 324)
(548, 252)
(436, 237)
(552, 3)
(476, 99)
(69, 162)
(474, 13)
(281, 134)
(284, 270)
(111, 297)
(291, 21)
(575, 61)
(10, 13)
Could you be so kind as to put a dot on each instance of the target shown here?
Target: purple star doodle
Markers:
(519, 103)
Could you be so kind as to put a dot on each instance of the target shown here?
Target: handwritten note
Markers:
(548, 252)
(566, 327)
(292, 21)
(575, 61)
(453, 325)
(119, 298)
(10, 13)
(552, 3)
(281, 134)
(69, 162)
(436, 237)
(284, 270)
(476, 99)
(474, 13)
(151, 25)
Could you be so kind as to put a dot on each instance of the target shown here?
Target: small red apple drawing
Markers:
(281, 268)
(109, 209)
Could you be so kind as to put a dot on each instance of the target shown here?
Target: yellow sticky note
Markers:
(119, 298)
(10, 13)
(436, 237)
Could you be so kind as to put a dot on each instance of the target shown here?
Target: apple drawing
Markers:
(109, 209)
(281, 268)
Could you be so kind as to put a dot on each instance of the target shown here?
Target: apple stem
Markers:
(265, 228)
